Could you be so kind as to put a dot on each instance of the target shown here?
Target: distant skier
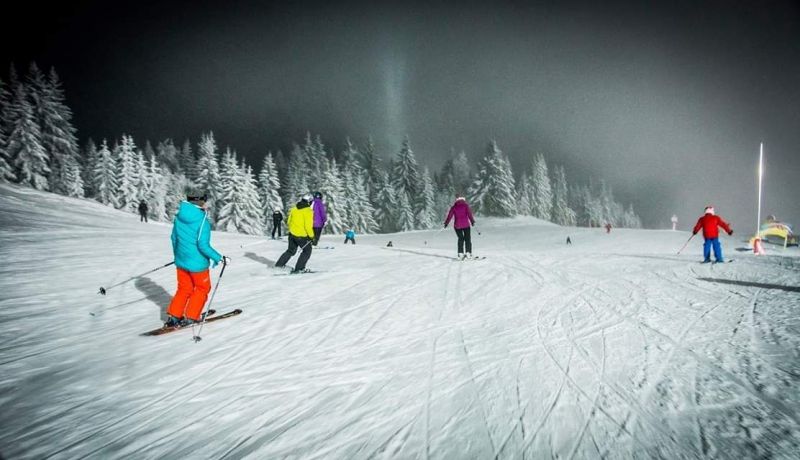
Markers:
(389, 244)
(301, 234)
(277, 220)
(608, 227)
(350, 236)
(191, 246)
(320, 216)
(709, 223)
(462, 223)
(569, 241)
(143, 211)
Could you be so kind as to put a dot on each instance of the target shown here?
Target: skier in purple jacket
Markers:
(320, 216)
(462, 223)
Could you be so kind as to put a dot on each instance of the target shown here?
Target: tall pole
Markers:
(760, 177)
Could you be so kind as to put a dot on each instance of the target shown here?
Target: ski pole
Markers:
(686, 243)
(103, 290)
(476, 229)
(197, 337)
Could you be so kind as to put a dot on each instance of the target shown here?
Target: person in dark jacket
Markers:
(320, 216)
(301, 234)
(143, 211)
(709, 223)
(191, 246)
(462, 221)
(277, 220)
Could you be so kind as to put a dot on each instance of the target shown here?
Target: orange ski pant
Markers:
(192, 293)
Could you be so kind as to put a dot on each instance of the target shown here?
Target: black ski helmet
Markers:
(318, 195)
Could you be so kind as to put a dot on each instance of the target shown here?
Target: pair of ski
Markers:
(211, 316)
(465, 259)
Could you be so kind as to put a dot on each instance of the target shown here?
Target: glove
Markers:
(445, 225)
(730, 233)
(224, 260)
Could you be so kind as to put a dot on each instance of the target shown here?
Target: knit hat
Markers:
(710, 210)
(318, 195)
(196, 198)
(307, 197)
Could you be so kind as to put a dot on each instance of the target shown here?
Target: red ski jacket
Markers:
(709, 224)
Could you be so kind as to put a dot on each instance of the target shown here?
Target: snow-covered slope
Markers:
(614, 346)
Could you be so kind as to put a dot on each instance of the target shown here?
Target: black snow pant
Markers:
(276, 226)
(143, 217)
(352, 240)
(295, 242)
(464, 238)
(317, 234)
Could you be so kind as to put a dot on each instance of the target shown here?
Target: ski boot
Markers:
(460, 256)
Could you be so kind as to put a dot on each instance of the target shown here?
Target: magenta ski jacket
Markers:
(320, 216)
(463, 215)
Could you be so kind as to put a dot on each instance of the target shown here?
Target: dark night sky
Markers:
(667, 101)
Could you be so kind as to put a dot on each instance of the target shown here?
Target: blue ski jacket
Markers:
(191, 239)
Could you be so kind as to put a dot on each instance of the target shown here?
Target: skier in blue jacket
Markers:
(191, 246)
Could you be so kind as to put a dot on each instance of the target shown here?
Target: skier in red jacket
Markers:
(709, 223)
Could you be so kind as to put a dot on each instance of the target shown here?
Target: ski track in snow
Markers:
(613, 347)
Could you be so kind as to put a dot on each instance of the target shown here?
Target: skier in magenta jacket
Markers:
(462, 222)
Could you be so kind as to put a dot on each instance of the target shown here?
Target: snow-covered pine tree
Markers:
(316, 161)
(296, 179)
(269, 190)
(333, 188)
(525, 195)
(360, 213)
(24, 146)
(158, 177)
(492, 192)
(145, 182)
(462, 173)
(104, 177)
(128, 174)
(254, 214)
(6, 170)
(426, 205)
(405, 175)
(167, 155)
(562, 213)
(186, 160)
(176, 192)
(594, 207)
(385, 203)
(372, 165)
(72, 185)
(89, 161)
(55, 124)
(405, 215)
(230, 188)
(542, 205)
(207, 172)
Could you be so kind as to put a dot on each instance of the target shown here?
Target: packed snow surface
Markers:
(614, 346)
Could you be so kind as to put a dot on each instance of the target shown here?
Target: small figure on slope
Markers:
(350, 235)
(709, 223)
(301, 234)
(462, 222)
(143, 211)
(191, 246)
(277, 220)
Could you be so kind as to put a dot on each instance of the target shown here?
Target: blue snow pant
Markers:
(709, 242)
